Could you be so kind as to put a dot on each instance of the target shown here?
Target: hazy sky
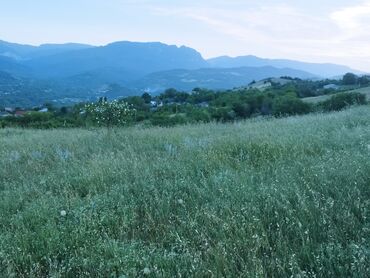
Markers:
(310, 30)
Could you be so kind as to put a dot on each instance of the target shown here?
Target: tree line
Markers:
(174, 107)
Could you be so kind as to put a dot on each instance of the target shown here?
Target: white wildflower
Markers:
(146, 271)
(63, 213)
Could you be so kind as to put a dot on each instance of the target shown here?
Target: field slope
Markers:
(262, 198)
(365, 91)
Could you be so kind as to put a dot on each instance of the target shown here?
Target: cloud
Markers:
(353, 18)
(287, 30)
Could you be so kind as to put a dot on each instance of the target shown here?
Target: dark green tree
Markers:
(349, 79)
(146, 97)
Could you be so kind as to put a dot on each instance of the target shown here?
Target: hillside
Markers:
(320, 70)
(22, 52)
(141, 58)
(265, 197)
(365, 91)
(136, 58)
(212, 78)
(29, 92)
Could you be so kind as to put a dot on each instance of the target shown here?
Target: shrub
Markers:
(199, 115)
(242, 110)
(287, 105)
(342, 100)
(167, 120)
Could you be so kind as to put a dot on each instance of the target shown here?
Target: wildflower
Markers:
(63, 213)
(146, 271)
(180, 201)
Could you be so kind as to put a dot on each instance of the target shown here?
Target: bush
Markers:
(199, 115)
(342, 100)
(223, 114)
(242, 110)
(167, 120)
(287, 105)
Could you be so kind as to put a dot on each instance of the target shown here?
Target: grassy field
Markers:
(262, 198)
(365, 91)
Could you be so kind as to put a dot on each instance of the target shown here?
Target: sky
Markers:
(335, 31)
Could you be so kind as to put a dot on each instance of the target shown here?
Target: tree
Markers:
(109, 114)
(287, 105)
(242, 110)
(63, 110)
(146, 97)
(340, 101)
(349, 79)
(364, 80)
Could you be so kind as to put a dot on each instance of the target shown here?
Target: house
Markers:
(9, 109)
(331, 87)
(43, 110)
(19, 113)
(203, 104)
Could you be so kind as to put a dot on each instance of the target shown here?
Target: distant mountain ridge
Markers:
(57, 71)
(60, 61)
(63, 60)
(326, 70)
(21, 52)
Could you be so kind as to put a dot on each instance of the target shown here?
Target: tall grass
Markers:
(261, 198)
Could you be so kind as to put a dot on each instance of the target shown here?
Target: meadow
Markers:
(365, 91)
(264, 197)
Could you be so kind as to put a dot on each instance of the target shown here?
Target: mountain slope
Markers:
(323, 70)
(212, 78)
(20, 52)
(27, 92)
(11, 66)
(137, 58)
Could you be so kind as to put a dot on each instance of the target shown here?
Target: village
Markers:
(20, 112)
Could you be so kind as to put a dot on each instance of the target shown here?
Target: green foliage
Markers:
(242, 110)
(199, 95)
(349, 79)
(172, 95)
(342, 100)
(109, 113)
(37, 120)
(364, 80)
(262, 198)
(287, 106)
(201, 105)
(146, 97)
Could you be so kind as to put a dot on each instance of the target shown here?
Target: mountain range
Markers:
(133, 67)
